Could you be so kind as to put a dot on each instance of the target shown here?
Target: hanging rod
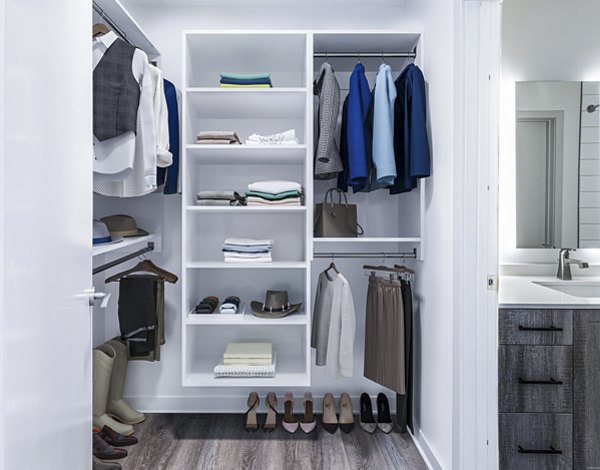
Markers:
(123, 259)
(360, 55)
(367, 254)
(111, 23)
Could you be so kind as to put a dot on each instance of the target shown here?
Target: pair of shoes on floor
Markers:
(100, 465)
(109, 371)
(384, 417)
(251, 418)
(106, 444)
(330, 420)
(308, 423)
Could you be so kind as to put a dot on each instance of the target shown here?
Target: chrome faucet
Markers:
(565, 262)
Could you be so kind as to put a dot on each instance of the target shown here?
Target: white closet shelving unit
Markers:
(285, 55)
(391, 222)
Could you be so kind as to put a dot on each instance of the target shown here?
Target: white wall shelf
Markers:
(287, 56)
(360, 240)
(128, 244)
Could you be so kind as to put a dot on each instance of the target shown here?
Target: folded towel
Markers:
(248, 241)
(257, 201)
(223, 370)
(247, 362)
(248, 349)
(230, 85)
(245, 76)
(275, 187)
(234, 260)
(246, 81)
(274, 197)
(217, 136)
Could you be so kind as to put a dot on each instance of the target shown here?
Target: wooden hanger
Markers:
(145, 266)
(99, 29)
(386, 269)
(404, 269)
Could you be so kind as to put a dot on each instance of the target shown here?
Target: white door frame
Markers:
(476, 253)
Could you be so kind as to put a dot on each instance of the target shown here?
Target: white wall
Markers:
(434, 293)
(532, 50)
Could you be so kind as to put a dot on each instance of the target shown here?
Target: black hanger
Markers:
(145, 266)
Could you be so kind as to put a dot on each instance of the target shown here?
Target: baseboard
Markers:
(426, 451)
(218, 403)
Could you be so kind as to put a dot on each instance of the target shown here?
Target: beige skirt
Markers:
(384, 335)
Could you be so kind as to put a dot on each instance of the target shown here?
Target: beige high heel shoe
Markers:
(308, 423)
(251, 421)
(330, 421)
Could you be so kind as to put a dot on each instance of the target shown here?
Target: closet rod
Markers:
(111, 23)
(118, 261)
(360, 55)
(367, 254)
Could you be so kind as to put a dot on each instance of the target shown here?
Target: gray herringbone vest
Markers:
(116, 92)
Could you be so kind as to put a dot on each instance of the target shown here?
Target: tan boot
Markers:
(103, 362)
(116, 406)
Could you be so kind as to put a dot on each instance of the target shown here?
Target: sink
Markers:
(582, 289)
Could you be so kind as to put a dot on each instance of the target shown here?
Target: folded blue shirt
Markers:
(252, 81)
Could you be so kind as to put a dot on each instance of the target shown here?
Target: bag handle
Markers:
(340, 193)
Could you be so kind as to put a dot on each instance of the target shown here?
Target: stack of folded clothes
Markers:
(247, 360)
(217, 137)
(282, 138)
(207, 305)
(274, 193)
(247, 250)
(243, 80)
(220, 198)
(231, 306)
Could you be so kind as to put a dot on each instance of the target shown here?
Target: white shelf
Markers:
(247, 154)
(248, 319)
(128, 244)
(223, 265)
(273, 90)
(367, 240)
(246, 209)
(290, 372)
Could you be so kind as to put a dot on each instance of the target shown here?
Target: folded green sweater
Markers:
(246, 76)
(274, 197)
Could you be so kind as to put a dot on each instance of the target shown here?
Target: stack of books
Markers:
(247, 360)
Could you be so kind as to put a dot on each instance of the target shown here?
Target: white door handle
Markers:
(92, 296)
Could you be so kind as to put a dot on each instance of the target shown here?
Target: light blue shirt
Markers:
(384, 161)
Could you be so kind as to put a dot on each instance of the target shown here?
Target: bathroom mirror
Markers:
(558, 164)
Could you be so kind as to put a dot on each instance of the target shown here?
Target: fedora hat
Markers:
(101, 235)
(276, 305)
(123, 225)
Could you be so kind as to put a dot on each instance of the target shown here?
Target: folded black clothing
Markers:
(137, 313)
(207, 305)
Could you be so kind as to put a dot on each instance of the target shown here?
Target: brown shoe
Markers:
(115, 439)
(104, 451)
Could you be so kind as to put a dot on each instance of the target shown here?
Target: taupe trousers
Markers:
(384, 335)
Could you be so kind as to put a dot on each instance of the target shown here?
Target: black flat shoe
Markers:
(250, 419)
(384, 417)
(366, 419)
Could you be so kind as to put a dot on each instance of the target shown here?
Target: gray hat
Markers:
(276, 305)
(123, 225)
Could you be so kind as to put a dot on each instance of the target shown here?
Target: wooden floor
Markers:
(219, 442)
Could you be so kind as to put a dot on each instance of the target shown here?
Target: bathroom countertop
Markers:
(522, 292)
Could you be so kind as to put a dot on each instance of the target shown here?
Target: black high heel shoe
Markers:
(384, 417)
(366, 419)
(251, 421)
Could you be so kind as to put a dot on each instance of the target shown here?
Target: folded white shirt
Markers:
(231, 254)
(275, 186)
(247, 241)
(233, 259)
(288, 136)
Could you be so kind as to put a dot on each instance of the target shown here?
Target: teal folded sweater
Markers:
(246, 76)
(274, 197)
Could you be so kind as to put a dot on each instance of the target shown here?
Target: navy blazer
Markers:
(171, 173)
(411, 142)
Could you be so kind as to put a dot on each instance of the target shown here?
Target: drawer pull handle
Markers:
(540, 382)
(550, 328)
(551, 450)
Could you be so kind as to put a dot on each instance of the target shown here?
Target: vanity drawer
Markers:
(535, 379)
(537, 441)
(534, 326)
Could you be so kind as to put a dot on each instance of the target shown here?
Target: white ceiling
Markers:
(258, 3)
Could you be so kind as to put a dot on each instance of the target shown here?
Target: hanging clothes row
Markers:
(389, 335)
(384, 141)
(135, 121)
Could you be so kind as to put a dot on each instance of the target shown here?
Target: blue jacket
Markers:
(356, 141)
(384, 163)
(171, 173)
(411, 142)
